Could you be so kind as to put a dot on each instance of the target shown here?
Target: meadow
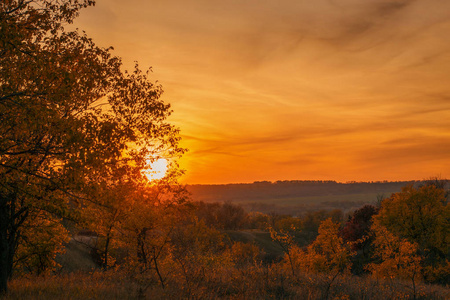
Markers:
(253, 282)
(255, 256)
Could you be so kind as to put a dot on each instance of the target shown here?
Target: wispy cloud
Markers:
(295, 89)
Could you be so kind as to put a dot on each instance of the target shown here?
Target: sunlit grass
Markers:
(254, 281)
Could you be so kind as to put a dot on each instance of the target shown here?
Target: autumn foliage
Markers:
(418, 219)
(76, 132)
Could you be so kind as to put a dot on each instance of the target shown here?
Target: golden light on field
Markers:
(156, 169)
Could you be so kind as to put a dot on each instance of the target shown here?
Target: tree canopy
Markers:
(72, 121)
(421, 217)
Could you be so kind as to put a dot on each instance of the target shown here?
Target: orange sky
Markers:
(290, 89)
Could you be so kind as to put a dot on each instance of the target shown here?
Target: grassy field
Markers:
(80, 285)
(251, 283)
(299, 205)
(296, 198)
(326, 199)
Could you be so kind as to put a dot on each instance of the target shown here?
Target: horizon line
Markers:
(318, 180)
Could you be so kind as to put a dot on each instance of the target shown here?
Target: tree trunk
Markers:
(4, 247)
(3, 265)
(105, 253)
(141, 253)
(10, 222)
(161, 279)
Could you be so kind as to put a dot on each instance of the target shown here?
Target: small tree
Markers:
(358, 226)
(198, 252)
(285, 239)
(41, 239)
(328, 253)
(328, 256)
(357, 232)
(397, 257)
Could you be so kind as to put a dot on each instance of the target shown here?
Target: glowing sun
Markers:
(156, 169)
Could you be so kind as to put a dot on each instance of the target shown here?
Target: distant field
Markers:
(298, 205)
(316, 200)
(297, 197)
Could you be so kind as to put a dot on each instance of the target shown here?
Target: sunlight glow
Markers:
(156, 169)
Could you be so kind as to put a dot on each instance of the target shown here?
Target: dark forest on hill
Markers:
(295, 196)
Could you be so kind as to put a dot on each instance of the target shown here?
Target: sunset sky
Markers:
(293, 89)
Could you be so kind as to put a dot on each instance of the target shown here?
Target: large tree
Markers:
(421, 216)
(72, 122)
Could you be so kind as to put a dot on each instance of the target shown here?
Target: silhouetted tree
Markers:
(71, 122)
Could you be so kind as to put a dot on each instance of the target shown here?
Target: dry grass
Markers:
(251, 282)
(72, 286)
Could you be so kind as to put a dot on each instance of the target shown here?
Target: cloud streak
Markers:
(268, 90)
